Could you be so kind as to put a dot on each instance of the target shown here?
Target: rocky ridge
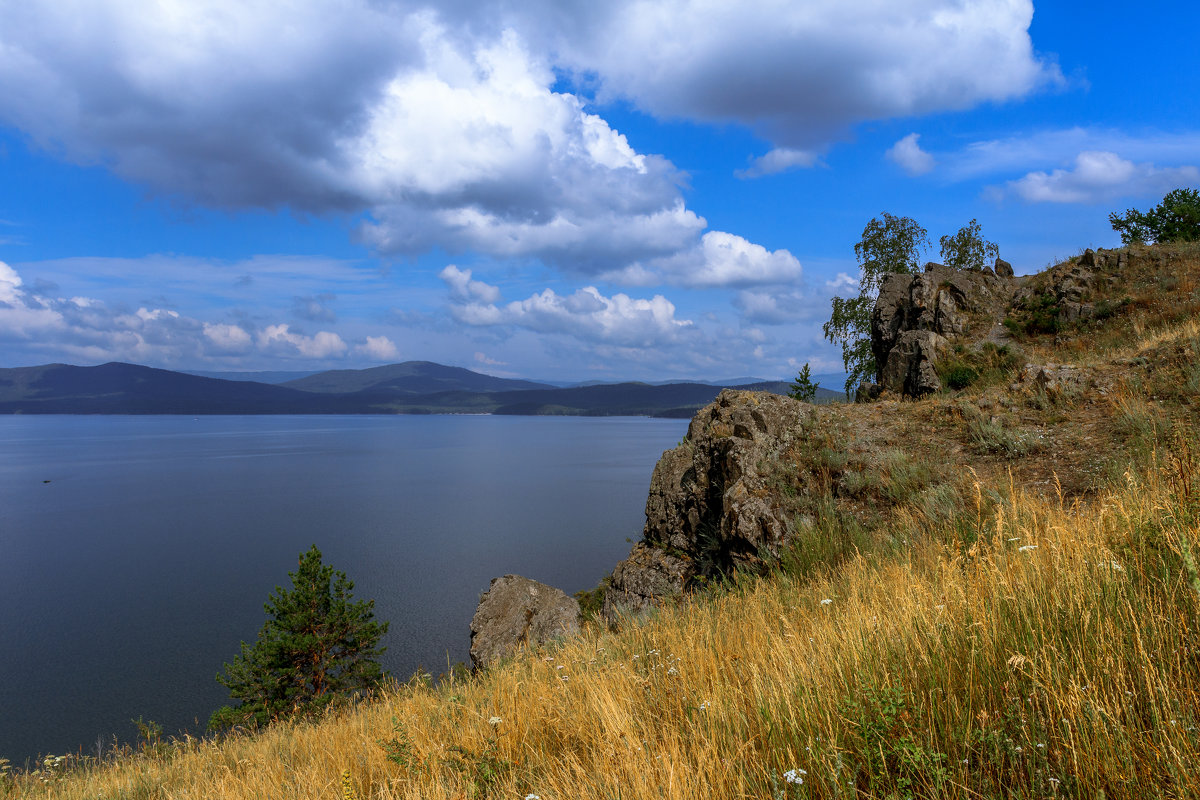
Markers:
(761, 477)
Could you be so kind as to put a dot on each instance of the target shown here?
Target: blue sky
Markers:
(650, 189)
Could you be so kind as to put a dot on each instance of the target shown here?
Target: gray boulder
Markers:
(649, 576)
(516, 612)
(1054, 380)
(1003, 268)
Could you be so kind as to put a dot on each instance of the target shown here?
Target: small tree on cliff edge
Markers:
(967, 249)
(317, 645)
(892, 244)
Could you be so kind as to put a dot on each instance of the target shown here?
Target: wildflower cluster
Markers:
(51, 769)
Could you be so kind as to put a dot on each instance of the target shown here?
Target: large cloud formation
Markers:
(802, 72)
(449, 126)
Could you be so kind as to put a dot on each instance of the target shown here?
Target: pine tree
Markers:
(803, 387)
(317, 645)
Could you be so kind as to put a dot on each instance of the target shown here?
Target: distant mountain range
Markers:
(414, 387)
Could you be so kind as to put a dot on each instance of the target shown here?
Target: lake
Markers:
(137, 552)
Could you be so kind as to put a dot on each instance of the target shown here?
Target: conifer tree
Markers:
(317, 645)
(803, 388)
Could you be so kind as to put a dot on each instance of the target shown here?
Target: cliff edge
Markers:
(1049, 379)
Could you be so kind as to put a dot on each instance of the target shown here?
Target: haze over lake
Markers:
(137, 552)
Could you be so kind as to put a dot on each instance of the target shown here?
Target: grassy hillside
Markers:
(998, 597)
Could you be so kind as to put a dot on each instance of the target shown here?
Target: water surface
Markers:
(137, 552)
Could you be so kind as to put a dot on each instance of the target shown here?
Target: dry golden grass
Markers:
(1031, 650)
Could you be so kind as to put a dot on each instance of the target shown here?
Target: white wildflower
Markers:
(826, 601)
(494, 721)
(793, 776)
(1027, 547)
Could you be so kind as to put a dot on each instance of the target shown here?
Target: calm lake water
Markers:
(137, 552)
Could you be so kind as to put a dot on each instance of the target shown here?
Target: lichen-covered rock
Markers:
(941, 300)
(649, 576)
(1052, 379)
(1073, 283)
(910, 368)
(517, 611)
(867, 392)
(710, 506)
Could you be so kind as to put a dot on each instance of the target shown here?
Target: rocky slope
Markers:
(1050, 382)
(1050, 363)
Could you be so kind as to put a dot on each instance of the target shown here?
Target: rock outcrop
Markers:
(910, 363)
(916, 316)
(710, 506)
(517, 611)
(1069, 289)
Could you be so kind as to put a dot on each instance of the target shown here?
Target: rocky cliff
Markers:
(759, 475)
(916, 317)
(711, 505)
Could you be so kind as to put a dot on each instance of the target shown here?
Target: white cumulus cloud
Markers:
(37, 327)
(719, 259)
(907, 153)
(281, 340)
(445, 124)
(1100, 177)
(781, 159)
(803, 72)
(228, 338)
(378, 348)
(463, 288)
(586, 315)
(10, 284)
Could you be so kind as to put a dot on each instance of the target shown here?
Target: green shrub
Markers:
(1038, 315)
(592, 600)
(896, 761)
(960, 377)
(986, 366)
